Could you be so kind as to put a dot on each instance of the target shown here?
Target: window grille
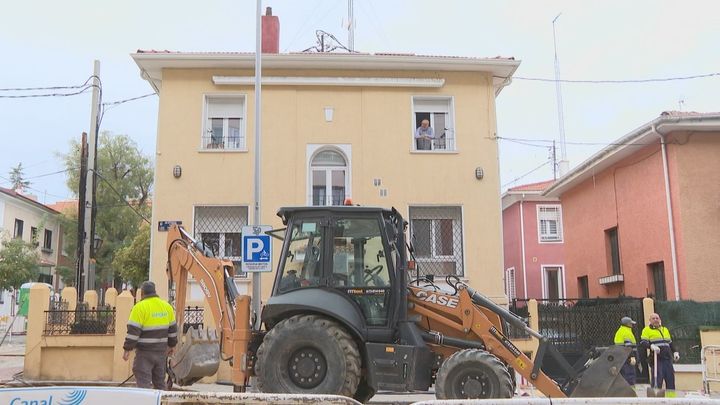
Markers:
(436, 235)
(510, 283)
(219, 228)
(550, 223)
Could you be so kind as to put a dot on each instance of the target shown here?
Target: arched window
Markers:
(328, 178)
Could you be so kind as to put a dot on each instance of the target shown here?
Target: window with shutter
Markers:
(549, 223)
(224, 126)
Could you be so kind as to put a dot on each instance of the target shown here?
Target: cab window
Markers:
(303, 263)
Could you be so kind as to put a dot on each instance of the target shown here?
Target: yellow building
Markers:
(334, 126)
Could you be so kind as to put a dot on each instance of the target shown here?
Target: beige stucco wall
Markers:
(32, 216)
(694, 161)
(376, 122)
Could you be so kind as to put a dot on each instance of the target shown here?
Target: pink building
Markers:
(642, 216)
(533, 243)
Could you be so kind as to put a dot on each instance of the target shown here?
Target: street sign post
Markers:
(256, 249)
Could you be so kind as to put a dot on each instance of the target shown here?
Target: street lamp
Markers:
(97, 243)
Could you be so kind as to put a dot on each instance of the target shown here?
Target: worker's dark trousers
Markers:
(666, 373)
(149, 368)
(628, 373)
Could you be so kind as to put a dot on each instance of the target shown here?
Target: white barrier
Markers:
(575, 401)
(78, 396)
(710, 361)
(183, 397)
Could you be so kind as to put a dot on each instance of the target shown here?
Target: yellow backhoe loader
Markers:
(347, 316)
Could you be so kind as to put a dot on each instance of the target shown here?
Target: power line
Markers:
(48, 88)
(526, 174)
(581, 81)
(528, 142)
(114, 103)
(51, 94)
(122, 198)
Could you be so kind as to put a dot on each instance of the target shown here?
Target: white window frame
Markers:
(510, 283)
(311, 151)
(451, 135)
(549, 238)
(243, 123)
(458, 246)
(561, 280)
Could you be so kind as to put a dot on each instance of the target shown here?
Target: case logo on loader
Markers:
(450, 302)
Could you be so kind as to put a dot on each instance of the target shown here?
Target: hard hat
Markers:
(627, 321)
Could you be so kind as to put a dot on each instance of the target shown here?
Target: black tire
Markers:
(364, 392)
(308, 354)
(473, 374)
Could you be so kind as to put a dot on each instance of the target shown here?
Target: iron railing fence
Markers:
(519, 308)
(220, 142)
(194, 318)
(81, 321)
(437, 239)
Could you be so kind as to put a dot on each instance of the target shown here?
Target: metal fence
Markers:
(683, 319)
(81, 321)
(519, 308)
(575, 326)
(437, 240)
(194, 318)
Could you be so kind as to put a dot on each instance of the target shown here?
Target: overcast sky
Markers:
(54, 43)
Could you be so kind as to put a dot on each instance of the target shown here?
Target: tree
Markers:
(67, 274)
(18, 263)
(124, 181)
(17, 178)
(133, 260)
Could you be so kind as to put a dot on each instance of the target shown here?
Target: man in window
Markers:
(424, 136)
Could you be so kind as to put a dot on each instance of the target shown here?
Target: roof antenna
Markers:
(563, 164)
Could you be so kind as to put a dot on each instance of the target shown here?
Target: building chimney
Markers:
(270, 32)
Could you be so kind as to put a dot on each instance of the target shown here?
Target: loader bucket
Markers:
(602, 378)
(197, 355)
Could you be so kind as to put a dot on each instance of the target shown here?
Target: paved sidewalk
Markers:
(12, 357)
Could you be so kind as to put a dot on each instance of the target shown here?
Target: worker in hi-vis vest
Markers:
(657, 338)
(152, 333)
(625, 336)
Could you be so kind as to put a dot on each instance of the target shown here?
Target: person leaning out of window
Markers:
(424, 136)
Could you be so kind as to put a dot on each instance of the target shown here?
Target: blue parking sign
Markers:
(256, 249)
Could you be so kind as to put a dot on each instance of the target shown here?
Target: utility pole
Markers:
(89, 201)
(79, 266)
(554, 161)
(256, 280)
(351, 26)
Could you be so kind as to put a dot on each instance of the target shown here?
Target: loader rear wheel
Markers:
(308, 354)
(472, 374)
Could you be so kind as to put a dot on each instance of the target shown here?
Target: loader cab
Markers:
(347, 256)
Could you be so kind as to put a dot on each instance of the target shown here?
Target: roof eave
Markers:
(623, 146)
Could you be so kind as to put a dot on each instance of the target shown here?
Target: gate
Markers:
(574, 326)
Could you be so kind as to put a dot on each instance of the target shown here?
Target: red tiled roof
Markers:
(540, 186)
(64, 206)
(19, 196)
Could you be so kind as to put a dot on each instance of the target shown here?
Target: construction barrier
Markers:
(575, 401)
(710, 360)
(78, 396)
(181, 397)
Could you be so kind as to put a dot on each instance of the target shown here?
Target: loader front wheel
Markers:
(308, 354)
(473, 374)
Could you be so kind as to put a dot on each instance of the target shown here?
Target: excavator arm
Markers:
(470, 320)
(200, 351)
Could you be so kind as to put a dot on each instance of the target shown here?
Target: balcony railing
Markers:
(223, 143)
